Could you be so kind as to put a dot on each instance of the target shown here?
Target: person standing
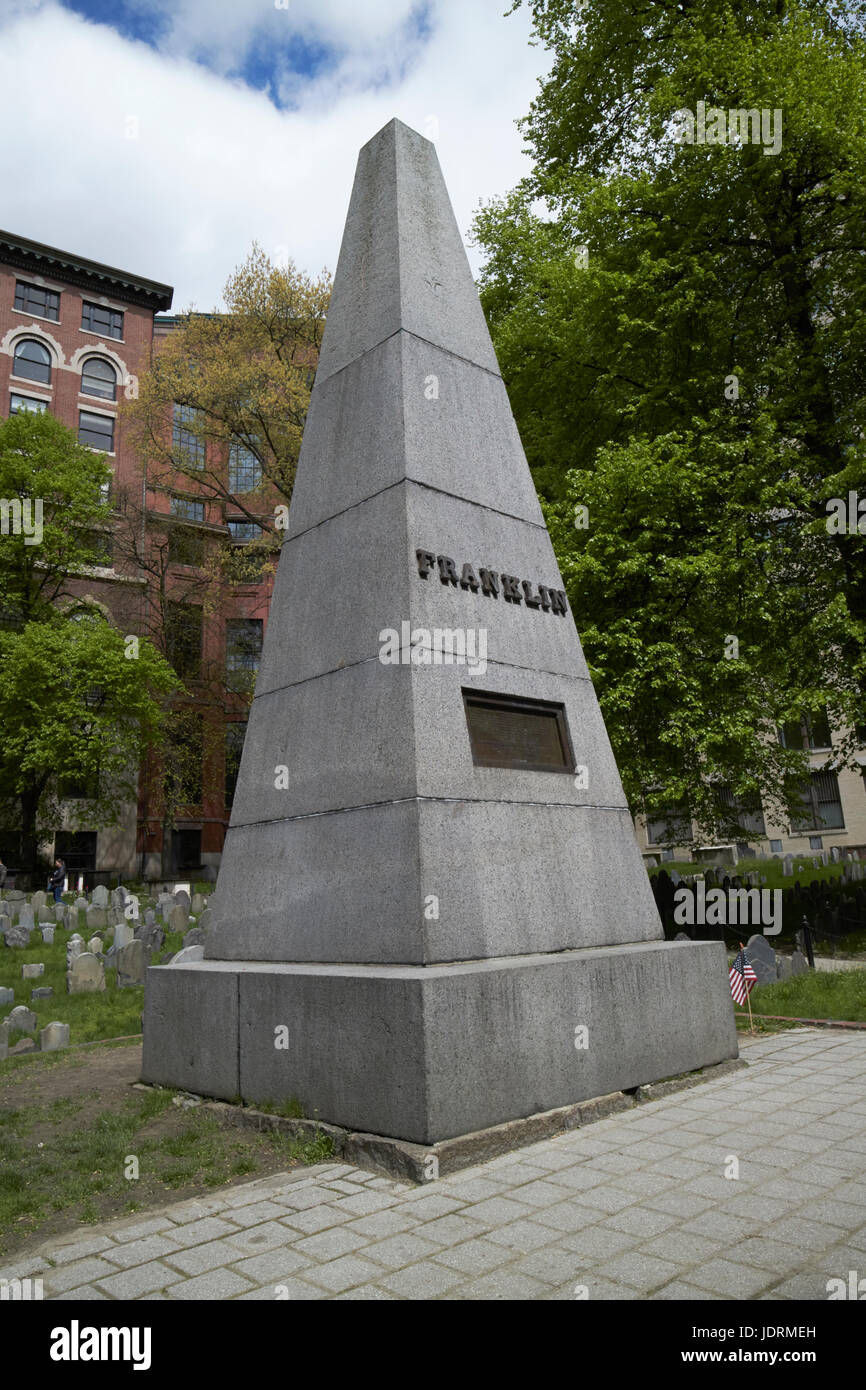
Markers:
(55, 882)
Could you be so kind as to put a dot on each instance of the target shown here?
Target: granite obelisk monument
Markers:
(431, 914)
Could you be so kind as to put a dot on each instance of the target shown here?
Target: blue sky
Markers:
(165, 136)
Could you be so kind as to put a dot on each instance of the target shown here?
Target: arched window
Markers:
(98, 378)
(33, 360)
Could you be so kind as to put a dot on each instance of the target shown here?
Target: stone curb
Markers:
(420, 1163)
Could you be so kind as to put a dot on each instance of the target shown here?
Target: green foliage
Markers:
(682, 332)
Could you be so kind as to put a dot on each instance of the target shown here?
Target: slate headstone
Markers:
(25, 916)
(96, 917)
(788, 865)
(178, 918)
(783, 967)
(37, 900)
(132, 961)
(763, 959)
(48, 936)
(99, 896)
(43, 992)
(194, 937)
(95, 944)
(7, 996)
(123, 934)
(86, 975)
(60, 911)
(5, 923)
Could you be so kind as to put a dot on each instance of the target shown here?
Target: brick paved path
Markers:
(634, 1207)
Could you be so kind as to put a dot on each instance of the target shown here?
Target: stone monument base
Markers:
(426, 1054)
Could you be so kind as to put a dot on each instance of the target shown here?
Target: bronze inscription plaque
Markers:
(507, 731)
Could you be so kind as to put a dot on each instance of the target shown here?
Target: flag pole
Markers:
(749, 1001)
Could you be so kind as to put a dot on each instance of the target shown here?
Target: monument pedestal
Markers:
(429, 1053)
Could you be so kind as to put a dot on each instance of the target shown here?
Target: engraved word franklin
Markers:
(490, 582)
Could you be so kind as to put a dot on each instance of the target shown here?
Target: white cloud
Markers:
(215, 165)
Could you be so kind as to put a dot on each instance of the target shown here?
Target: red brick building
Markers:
(75, 337)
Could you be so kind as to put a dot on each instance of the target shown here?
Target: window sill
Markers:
(29, 380)
(95, 333)
(43, 318)
(88, 395)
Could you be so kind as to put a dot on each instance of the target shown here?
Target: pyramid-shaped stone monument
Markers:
(431, 915)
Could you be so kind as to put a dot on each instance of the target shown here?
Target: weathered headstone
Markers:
(183, 898)
(96, 917)
(46, 914)
(132, 961)
(152, 937)
(799, 963)
(763, 959)
(18, 936)
(80, 905)
(118, 900)
(86, 975)
(53, 1037)
(32, 971)
(149, 917)
(60, 911)
(48, 936)
(783, 967)
(496, 875)
(194, 937)
(37, 900)
(204, 921)
(26, 917)
(42, 992)
(123, 934)
(178, 918)
(788, 865)
(99, 896)
(22, 1019)
(4, 1040)
(5, 923)
(188, 954)
(7, 996)
(197, 906)
(95, 944)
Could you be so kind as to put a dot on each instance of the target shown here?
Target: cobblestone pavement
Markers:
(636, 1206)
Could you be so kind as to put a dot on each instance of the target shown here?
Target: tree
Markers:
(239, 381)
(79, 703)
(56, 489)
(682, 333)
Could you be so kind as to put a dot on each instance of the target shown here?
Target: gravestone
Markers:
(86, 975)
(48, 936)
(788, 865)
(783, 967)
(32, 971)
(46, 914)
(123, 934)
(799, 963)
(74, 947)
(80, 905)
(421, 920)
(18, 936)
(4, 1040)
(5, 923)
(60, 911)
(149, 917)
(153, 937)
(95, 944)
(96, 917)
(132, 961)
(197, 906)
(178, 918)
(53, 1037)
(183, 898)
(763, 959)
(99, 896)
(26, 917)
(204, 921)
(118, 900)
(22, 1019)
(37, 900)
(194, 937)
(41, 992)
(7, 996)
(188, 954)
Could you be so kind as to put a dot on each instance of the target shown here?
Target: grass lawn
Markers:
(837, 994)
(70, 1122)
(116, 1013)
(770, 868)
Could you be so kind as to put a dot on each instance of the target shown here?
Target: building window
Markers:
(739, 813)
(185, 850)
(185, 546)
(245, 471)
(775, 846)
(187, 509)
(77, 788)
(97, 431)
(77, 849)
(34, 299)
(184, 768)
(96, 318)
(244, 530)
(184, 438)
(183, 639)
(32, 360)
(101, 547)
(821, 804)
(816, 842)
(235, 734)
(20, 403)
(670, 823)
(808, 733)
(98, 378)
(243, 652)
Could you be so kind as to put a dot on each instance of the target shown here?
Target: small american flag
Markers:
(742, 977)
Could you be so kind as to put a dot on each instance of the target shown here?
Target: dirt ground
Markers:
(67, 1127)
